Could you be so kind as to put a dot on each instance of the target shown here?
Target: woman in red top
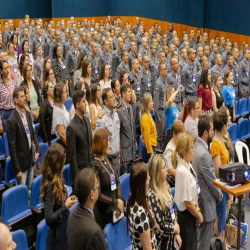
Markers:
(204, 92)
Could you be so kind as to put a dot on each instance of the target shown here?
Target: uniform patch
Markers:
(101, 114)
(98, 124)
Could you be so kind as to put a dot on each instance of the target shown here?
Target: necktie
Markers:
(85, 127)
(128, 109)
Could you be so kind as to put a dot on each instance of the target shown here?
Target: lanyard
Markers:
(105, 167)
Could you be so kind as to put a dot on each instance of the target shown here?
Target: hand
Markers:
(70, 201)
(158, 122)
(200, 220)
(120, 205)
(70, 83)
(36, 115)
(19, 176)
(177, 238)
(185, 102)
(176, 228)
(179, 89)
(36, 157)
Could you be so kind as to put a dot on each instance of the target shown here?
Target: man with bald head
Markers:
(170, 32)
(174, 34)
(244, 75)
(159, 93)
(221, 48)
(117, 56)
(191, 41)
(6, 241)
(145, 76)
(132, 54)
(211, 59)
(189, 76)
(136, 27)
(183, 60)
(228, 50)
(144, 47)
(139, 36)
(197, 63)
(95, 63)
(54, 43)
(217, 68)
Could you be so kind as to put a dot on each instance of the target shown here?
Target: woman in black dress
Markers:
(55, 197)
(217, 97)
(86, 72)
(110, 201)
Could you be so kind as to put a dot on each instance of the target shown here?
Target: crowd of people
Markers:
(132, 90)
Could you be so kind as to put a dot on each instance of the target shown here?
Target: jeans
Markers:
(5, 115)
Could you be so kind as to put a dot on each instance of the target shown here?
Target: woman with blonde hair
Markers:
(160, 199)
(217, 97)
(148, 129)
(170, 110)
(186, 191)
(55, 197)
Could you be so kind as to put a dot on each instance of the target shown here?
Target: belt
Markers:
(113, 156)
(6, 109)
(160, 108)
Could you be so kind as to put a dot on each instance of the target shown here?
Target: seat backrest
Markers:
(140, 147)
(14, 202)
(236, 108)
(124, 182)
(9, 175)
(242, 105)
(239, 150)
(19, 237)
(53, 141)
(43, 150)
(116, 235)
(243, 127)
(68, 104)
(37, 125)
(41, 235)
(1, 145)
(248, 104)
(35, 191)
(66, 174)
(5, 144)
(233, 131)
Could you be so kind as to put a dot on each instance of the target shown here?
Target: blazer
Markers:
(18, 142)
(83, 233)
(205, 170)
(46, 117)
(36, 87)
(79, 146)
(127, 134)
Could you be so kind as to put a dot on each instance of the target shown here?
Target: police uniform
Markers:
(38, 69)
(143, 52)
(244, 78)
(135, 29)
(181, 65)
(120, 68)
(197, 64)
(170, 36)
(48, 41)
(109, 120)
(106, 58)
(159, 93)
(136, 86)
(217, 70)
(116, 60)
(138, 40)
(95, 65)
(189, 81)
(192, 44)
(37, 41)
(224, 58)
(167, 63)
(115, 42)
(131, 57)
(153, 67)
(146, 82)
(127, 137)
(175, 80)
(87, 50)
(211, 60)
(221, 49)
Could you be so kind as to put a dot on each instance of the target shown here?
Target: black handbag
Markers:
(234, 210)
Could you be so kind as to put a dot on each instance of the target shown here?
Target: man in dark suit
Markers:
(79, 137)
(205, 170)
(127, 133)
(23, 144)
(83, 233)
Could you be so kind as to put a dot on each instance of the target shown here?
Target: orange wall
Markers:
(147, 22)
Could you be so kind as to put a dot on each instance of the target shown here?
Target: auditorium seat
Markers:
(173, 194)
(41, 235)
(243, 132)
(116, 235)
(2, 188)
(124, 182)
(233, 132)
(73, 206)
(53, 141)
(10, 177)
(140, 147)
(242, 108)
(248, 104)
(35, 193)
(5, 144)
(236, 110)
(39, 138)
(2, 156)
(19, 237)
(68, 104)
(43, 150)
(66, 177)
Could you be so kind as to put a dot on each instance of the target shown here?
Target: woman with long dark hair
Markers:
(140, 221)
(55, 197)
(17, 49)
(104, 77)
(86, 72)
(78, 68)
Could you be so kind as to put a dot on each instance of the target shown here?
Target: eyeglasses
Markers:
(111, 97)
(97, 186)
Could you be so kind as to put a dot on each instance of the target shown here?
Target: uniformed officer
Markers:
(192, 43)
(38, 39)
(106, 56)
(197, 62)
(109, 120)
(211, 59)
(244, 77)
(95, 63)
(189, 76)
(159, 93)
(87, 48)
(131, 54)
(183, 61)
(135, 81)
(127, 133)
(123, 65)
(228, 50)
(169, 32)
(54, 43)
(139, 36)
(116, 57)
(25, 38)
(145, 76)
(217, 67)
(221, 48)
(144, 47)
(174, 79)
(71, 60)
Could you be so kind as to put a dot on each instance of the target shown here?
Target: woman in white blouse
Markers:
(186, 191)
(104, 77)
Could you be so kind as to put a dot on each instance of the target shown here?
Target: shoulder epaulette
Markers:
(101, 114)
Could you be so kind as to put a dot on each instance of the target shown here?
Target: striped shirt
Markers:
(6, 94)
(33, 99)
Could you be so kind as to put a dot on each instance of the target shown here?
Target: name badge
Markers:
(194, 78)
(109, 63)
(247, 73)
(63, 66)
(171, 209)
(112, 181)
(221, 81)
(15, 53)
(26, 128)
(149, 82)
(197, 185)
(96, 69)
(138, 87)
(15, 68)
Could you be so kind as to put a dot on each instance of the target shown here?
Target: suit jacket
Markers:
(205, 170)
(79, 146)
(18, 142)
(46, 116)
(127, 134)
(83, 233)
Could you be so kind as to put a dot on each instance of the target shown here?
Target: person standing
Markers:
(204, 167)
(22, 141)
(109, 120)
(95, 63)
(127, 133)
(83, 233)
(79, 137)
